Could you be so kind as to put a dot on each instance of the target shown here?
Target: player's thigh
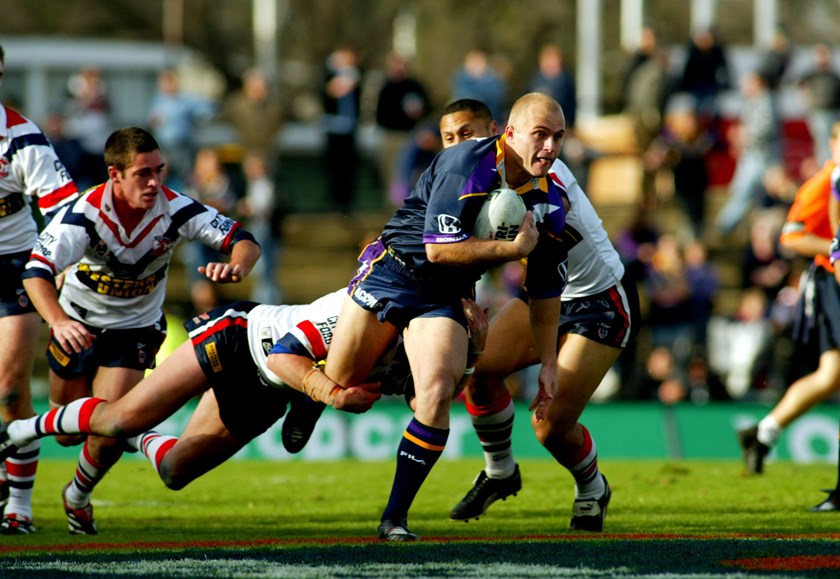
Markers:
(18, 342)
(437, 353)
(358, 341)
(204, 444)
(581, 366)
(166, 389)
(510, 342)
(112, 383)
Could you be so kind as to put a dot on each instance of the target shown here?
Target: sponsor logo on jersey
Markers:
(59, 356)
(213, 357)
(449, 225)
(4, 167)
(107, 285)
(326, 327)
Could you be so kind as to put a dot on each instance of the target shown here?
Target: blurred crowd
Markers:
(719, 292)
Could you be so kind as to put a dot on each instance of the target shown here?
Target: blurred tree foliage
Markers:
(511, 31)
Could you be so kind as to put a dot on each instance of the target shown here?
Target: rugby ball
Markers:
(501, 216)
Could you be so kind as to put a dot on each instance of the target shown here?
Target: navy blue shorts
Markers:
(247, 405)
(386, 286)
(13, 298)
(611, 318)
(133, 348)
(818, 317)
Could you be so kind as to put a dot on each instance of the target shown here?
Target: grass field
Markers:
(305, 519)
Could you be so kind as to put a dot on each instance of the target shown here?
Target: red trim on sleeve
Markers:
(319, 348)
(226, 247)
(57, 196)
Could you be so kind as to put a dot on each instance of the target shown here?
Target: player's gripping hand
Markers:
(222, 272)
(358, 398)
(526, 240)
(72, 336)
(545, 395)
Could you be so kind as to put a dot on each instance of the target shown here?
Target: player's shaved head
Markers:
(533, 103)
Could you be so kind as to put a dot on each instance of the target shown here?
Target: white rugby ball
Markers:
(501, 216)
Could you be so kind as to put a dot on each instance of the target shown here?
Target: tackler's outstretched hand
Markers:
(545, 395)
(358, 398)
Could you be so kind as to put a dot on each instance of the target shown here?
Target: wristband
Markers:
(319, 387)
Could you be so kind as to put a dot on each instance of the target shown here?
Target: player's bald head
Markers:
(534, 104)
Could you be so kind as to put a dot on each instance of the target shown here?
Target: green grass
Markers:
(329, 510)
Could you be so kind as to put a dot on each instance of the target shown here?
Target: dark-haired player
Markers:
(114, 246)
(598, 318)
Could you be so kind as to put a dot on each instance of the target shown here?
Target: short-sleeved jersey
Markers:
(29, 169)
(443, 207)
(304, 330)
(809, 212)
(116, 279)
(594, 264)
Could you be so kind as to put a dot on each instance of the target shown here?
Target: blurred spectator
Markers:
(757, 144)
(636, 244)
(88, 119)
(738, 344)
(401, 104)
(704, 279)
(262, 213)
(705, 73)
(660, 379)
(477, 79)
(669, 291)
(646, 88)
(257, 117)
(821, 87)
(341, 102)
(173, 118)
(683, 147)
(552, 78)
(69, 149)
(415, 157)
(209, 184)
(702, 384)
(773, 63)
(763, 265)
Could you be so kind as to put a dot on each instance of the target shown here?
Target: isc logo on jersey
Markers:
(501, 216)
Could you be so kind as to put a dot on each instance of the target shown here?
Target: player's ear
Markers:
(494, 128)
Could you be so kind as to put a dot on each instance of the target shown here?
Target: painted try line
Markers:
(17, 549)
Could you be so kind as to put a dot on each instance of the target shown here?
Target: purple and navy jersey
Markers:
(444, 205)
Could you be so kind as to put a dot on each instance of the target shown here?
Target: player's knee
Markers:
(172, 479)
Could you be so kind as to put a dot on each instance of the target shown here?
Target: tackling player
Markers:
(30, 171)
(599, 315)
(114, 246)
(247, 361)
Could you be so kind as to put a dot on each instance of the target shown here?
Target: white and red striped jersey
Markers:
(29, 168)
(594, 264)
(304, 330)
(116, 279)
